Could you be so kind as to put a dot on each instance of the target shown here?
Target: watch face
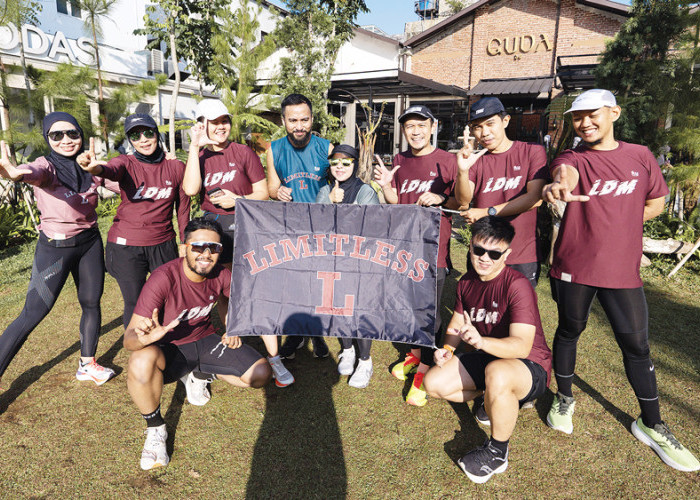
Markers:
(492, 211)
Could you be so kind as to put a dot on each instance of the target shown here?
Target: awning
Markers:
(514, 86)
(385, 83)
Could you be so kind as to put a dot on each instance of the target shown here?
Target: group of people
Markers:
(493, 350)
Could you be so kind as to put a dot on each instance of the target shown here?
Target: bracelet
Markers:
(449, 348)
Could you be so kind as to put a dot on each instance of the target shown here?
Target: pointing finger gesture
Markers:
(562, 187)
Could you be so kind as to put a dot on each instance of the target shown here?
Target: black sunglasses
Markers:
(203, 246)
(493, 254)
(149, 133)
(57, 135)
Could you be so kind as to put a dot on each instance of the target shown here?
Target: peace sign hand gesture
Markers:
(469, 334)
(383, 175)
(199, 136)
(466, 157)
(152, 328)
(88, 160)
(561, 189)
(9, 170)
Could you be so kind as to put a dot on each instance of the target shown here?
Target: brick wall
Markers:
(521, 27)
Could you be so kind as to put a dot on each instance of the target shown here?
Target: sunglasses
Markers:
(149, 133)
(203, 246)
(57, 135)
(493, 254)
(345, 162)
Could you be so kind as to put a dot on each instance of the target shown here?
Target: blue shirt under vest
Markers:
(305, 169)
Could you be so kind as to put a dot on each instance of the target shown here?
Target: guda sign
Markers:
(518, 44)
(39, 44)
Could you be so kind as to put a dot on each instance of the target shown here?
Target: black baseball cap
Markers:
(346, 150)
(139, 120)
(485, 107)
(422, 111)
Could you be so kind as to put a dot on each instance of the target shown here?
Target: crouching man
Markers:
(495, 313)
(171, 334)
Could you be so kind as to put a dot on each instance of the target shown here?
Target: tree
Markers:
(456, 5)
(313, 33)
(237, 55)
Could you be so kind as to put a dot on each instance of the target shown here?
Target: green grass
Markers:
(319, 438)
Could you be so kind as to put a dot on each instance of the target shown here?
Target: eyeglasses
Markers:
(345, 162)
(203, 246)
(493, 254)
(57, 135)
(148, 133)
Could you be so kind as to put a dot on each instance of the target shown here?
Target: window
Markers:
(68, 7)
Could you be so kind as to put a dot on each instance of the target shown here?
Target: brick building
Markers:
(525, 52)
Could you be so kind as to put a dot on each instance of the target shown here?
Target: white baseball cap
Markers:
(211, 109)
(593, 99)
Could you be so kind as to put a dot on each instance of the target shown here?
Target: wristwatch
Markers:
(491, 211)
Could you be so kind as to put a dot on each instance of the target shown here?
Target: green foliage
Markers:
(667, 226)
(15, 225)
(456, 5)
(19, 12)
(313, 33)
(237, 57)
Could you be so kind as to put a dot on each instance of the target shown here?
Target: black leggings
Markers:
(626, 310)
(51, 268)
(363, 346)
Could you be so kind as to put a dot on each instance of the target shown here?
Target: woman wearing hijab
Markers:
(220, 172)
(345, 187)
(142, 236)
(69, 242)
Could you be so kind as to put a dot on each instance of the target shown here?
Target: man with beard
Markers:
(297, 168)
(170, 333)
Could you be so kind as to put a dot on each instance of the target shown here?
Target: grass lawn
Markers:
(320, 438)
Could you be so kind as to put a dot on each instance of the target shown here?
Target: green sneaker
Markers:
(560, 416)
(665, 444)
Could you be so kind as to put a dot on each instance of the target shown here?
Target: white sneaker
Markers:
(92, 371)
(283, 377)
(360, 379)
(346, 361)
(197, 389)
(154, 452)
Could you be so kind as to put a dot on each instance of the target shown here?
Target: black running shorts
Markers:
(206, 355)
(475, 363)
(133, 263)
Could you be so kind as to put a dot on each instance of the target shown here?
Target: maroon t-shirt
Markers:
(494, 305)
(500, 177)
(170, 291)
(432, 173)
(600, 240)
(236, 168)
(149, 192)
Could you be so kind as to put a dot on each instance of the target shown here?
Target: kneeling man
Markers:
(495, 313)
(171, 334)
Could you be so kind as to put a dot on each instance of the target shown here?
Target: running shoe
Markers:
(560, 416)
(665, 444)
(282, 376)
(320, 347)
(346, 361)
(92, 371)
(363, 372)
(482, 463)
(197, 389)
(416, 394)
(291, 344)
(154, 452)
(409, 365)
(480, 411)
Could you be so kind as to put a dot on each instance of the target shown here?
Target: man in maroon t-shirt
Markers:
(505, 179)
(611, 188)
(496, 313)
(424, 175)
(170, 333)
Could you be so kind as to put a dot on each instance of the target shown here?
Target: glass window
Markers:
(75, 9)
(62, 6)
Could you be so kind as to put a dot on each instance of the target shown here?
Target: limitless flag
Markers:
(355, 271)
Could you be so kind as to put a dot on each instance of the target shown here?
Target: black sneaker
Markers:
(320, 347)
(482, 463)
(480, 411)
(291, 344)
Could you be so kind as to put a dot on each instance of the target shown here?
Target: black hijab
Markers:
(351, 186)
(68, 171)
(144, 121)
(156, 156)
